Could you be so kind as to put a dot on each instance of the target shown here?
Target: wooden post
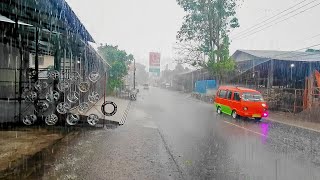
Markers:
(295, 101)
(271, 74)
(36, 62)
(192, 82)
(104, 95)
(311, 82)
(36, 65)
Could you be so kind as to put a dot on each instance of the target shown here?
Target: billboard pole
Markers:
(134, 73)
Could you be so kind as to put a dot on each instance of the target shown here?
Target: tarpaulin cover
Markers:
(318, 78)
(203, 86)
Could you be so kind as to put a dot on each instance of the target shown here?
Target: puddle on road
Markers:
(150, 124)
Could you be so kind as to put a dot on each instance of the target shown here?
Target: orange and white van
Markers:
(237, 101)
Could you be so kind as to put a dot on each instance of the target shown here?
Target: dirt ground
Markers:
(19, 144)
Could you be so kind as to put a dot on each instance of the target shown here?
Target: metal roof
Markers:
(54, 15)
(73, 20)
(7, 20)
(276, 55)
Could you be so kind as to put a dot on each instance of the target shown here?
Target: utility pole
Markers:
(134, 73)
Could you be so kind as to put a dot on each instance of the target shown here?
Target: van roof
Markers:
(236, 88)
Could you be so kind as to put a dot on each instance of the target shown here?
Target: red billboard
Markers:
(154, 59)
(154, 63)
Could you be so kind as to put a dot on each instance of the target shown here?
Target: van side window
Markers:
(222, 94)
(229, 95)
(236, 96)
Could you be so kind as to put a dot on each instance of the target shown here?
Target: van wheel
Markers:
(257, 119)
(234, 115)
(219, 110)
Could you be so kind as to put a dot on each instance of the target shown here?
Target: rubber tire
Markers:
(219, 110)
(115, 108)
(257, 119)
(234, 116)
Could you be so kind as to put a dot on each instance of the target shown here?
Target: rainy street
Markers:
(169, 135)
(170, 89)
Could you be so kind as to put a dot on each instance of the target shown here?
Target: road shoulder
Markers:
(291, 120)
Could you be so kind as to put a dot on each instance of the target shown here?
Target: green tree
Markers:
(207, 24)
(119, 61)
(313, 50)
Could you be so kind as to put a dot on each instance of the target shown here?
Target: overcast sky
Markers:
(292, 34)
(141, 26)
(137, 26)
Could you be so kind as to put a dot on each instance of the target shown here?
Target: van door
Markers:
(236, 101)
(221, 100)
(217, 99)
(228, 103)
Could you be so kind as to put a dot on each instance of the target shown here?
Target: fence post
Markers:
(295, 101)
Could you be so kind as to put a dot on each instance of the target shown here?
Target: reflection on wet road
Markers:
(169, 135)
(207, 145)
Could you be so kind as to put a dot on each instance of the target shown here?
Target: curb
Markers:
(125, 114)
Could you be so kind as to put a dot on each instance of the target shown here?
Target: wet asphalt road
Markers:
(169, 135)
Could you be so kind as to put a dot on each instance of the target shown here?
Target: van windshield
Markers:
(256, 97)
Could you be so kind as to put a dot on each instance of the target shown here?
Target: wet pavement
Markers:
(169, 135)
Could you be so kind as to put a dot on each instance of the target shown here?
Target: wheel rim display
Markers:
(30, 96)
(73, 119)
(83, 107)
(54, 74)
(63, 107)
(51, 120)
(42, 106)
(52, 96)
(94, 76)
(29, 119)
(93, 119)
(84, 86)
(73, 96)
(93, 97)
(74, 77)
(40, 85)
(63, 86)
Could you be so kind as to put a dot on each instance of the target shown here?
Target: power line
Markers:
(241, 37)
(317, 35)
(271, 17)
(266, 23)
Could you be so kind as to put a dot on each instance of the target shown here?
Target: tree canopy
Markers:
(313, 50)
(205, 32)
(119, 61)
(167, 75)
